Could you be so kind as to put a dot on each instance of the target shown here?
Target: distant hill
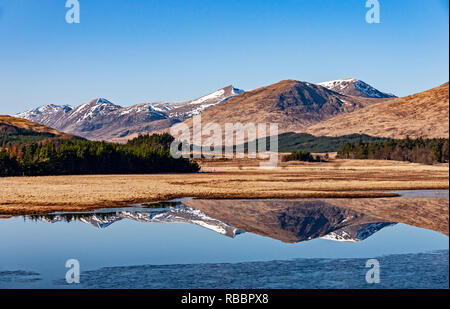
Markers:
(292, 104)
(425, 114)
(20, 130)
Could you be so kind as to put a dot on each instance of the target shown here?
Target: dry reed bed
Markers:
(230, 179)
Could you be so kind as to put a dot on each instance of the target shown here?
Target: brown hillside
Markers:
(6, 121)
(292, 104)
(425, 114)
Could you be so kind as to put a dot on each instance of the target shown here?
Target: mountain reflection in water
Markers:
(286, 220)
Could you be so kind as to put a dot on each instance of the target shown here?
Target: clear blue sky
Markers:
(162, 50)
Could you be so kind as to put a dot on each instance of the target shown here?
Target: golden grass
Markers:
(220, 179)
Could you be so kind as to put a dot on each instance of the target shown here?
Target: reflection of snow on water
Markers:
(178, 214)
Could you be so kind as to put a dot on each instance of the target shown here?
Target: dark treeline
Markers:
(302, 156)
(290, 142)
(418, 150)
(144, 154)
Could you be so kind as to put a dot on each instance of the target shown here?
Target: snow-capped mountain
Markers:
(95, 109)
(46, 113)
(100, 119)
(355, 87)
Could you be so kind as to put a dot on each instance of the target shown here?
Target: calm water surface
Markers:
(279, 244)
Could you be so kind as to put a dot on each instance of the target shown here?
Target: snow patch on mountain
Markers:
(212, 99)
(96, 108)
(48, 109)
(338, 83)
(340, 236)
(142, 108)
(367, 89)
(210, 96)
(353, 86)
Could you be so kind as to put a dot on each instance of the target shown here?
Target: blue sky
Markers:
(149, 50)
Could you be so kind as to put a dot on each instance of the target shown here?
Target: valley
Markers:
(296, 107)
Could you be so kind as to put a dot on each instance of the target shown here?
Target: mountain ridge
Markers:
(101, 119)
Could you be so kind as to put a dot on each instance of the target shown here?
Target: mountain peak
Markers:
(230, 90)
(355, 87)
(104, 101)
(51, 108)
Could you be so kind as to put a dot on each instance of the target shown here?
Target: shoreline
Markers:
(236, 179)
(37, 208)
(40, 209)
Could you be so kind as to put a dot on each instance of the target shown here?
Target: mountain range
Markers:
(100, 119)
(334, 108)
